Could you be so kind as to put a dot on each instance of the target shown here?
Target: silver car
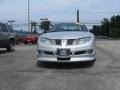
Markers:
(66, 42)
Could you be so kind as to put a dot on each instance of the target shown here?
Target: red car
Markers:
(19, 38)
(30, 38)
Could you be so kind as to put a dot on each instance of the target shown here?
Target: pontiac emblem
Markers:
(64, 43)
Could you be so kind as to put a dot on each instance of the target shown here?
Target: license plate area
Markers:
(63, 59)
(63, 52)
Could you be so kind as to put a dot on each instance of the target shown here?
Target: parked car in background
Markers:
(19, 38)
(7, 37)
(30, 38)
(66, 42)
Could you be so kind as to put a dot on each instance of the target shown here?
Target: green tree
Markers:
(45, 25)
(105, 27)
(33, 25)
(110, 27)
(115, 33)
(96, 30)
(115, 21)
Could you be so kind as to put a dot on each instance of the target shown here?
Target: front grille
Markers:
(59, 42)
(70, 41)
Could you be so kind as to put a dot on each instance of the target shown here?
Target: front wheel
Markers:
(17, 42)
(11, 46)
(38, 64)
(91, 63)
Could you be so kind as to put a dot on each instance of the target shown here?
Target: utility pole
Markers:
(110, 32)
(29, 16)
(78, 16)
(33, 25)
(11, 22)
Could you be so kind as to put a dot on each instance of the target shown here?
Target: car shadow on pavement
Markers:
(3, 51)
(80, 65)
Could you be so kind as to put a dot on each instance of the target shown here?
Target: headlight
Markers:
(84, 40)
(45, 40)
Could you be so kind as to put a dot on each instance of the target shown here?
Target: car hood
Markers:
(66, 35)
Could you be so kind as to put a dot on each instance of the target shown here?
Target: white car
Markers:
(66, 42)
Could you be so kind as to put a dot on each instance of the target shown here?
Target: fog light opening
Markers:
(90, 51)
(40, 52)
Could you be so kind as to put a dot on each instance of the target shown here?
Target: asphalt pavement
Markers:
(18, 70)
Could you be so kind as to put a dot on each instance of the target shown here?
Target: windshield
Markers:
(68, 27)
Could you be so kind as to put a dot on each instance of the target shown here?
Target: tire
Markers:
(41, 64)
(11, 46)
(25, 43)
(38, 64)
(17, 42)
(91, 63)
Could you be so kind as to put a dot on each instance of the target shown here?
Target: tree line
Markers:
(44, 25)
(109, 27)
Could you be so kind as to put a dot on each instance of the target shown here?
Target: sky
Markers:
(58, 10)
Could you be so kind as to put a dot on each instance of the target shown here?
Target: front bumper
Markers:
(78, 53)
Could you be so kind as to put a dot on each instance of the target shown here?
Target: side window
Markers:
(4, 29)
